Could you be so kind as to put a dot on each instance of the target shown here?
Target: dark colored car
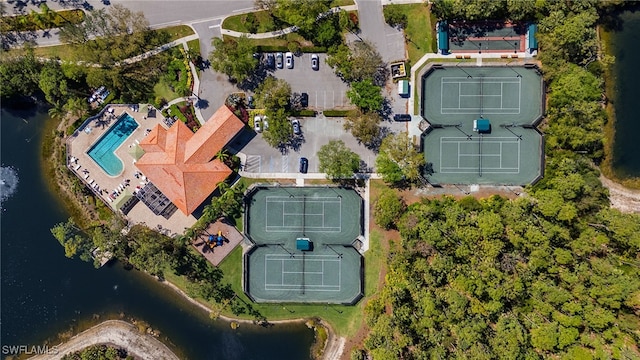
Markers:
(271, 61)
(402, 117)
(304, 165)
(279, 60)
(250, 102)
(304, 100)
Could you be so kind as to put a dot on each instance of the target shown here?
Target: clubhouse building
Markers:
(152, 169)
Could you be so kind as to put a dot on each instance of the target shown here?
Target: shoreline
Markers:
(117, 333)
(333, 348)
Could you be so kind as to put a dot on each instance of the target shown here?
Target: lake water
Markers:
(44, 293)
(624, 45)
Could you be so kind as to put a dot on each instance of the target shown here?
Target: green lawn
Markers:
(177, 32)
(336, 3)
(420, 31)
(195, 45)
(162, 90)
(263, 19)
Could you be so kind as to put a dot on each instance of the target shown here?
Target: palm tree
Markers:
(77, 107)
(223, 156)
(57, 111)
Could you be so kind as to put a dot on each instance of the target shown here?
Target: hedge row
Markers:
(303, 113)
(336, 113)
(307, 49)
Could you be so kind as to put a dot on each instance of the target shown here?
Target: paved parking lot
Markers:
(262, 158)
(325, 89)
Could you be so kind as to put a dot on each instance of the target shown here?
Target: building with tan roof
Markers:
(179, 162)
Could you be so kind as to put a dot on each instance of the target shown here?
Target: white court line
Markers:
(479, 95)
(313, 287)
(487, 80)
(485, 170)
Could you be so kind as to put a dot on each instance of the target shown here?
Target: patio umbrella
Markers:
(136, 152)
(120, 200)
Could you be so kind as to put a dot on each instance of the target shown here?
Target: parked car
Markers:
(304, 165)
(402, 117)
(265, 123)
(257, 123)
(304, 100)
(289, 59)
(279, 60)
(295, 124)
(250, 102)
(315, 62)
(271, 61)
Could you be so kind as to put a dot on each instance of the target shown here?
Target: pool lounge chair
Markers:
(86, 176)
(91, 182)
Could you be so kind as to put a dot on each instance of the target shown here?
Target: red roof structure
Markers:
(179, 163)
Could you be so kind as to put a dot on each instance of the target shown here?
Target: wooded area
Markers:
(552, 274)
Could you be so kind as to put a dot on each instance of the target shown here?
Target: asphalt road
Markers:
(388, 41)
(158, 13)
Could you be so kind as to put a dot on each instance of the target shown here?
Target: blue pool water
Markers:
(102, 152)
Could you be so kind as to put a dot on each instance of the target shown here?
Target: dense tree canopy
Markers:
(398, 159)
(338, 161)
(273, 94)
(365, 127)
(553, 274)
(502, 279)
(234, 57)
(365, 95)
(357, 62)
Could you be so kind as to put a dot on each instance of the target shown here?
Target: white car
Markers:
(257, 124)
(289, 60)
(265, 123)
(295, 124)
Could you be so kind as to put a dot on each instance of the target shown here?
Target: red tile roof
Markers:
(179, 164)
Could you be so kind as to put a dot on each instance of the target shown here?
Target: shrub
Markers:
(336, 113)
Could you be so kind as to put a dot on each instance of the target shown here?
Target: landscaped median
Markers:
(46, 19)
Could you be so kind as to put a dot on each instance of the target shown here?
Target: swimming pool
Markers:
(103, 151)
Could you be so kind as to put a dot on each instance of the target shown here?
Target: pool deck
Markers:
(91, 173)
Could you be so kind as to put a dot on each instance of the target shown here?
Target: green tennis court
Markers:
(509, 99)
(486, 37)
(506, 94)
(303, 249)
